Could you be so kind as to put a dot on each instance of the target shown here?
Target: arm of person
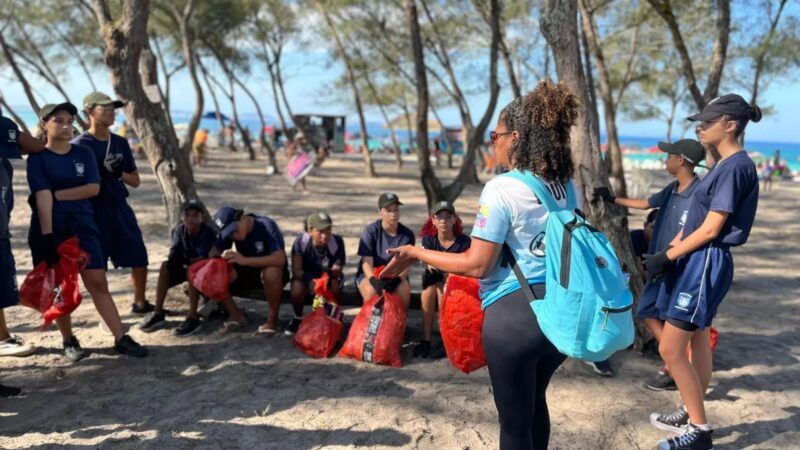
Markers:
(707, 232)
(475, 262)
(274, 259)
(635, 203)
(368, 266)
(131, 179)
(336, 270)
(77, 193)
(297, 266)
(44, 206)
(28, 144)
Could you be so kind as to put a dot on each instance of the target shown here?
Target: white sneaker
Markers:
(15, 346)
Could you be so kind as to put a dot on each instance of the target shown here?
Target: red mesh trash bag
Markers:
(318, 334)
(460, 322)
(54, 291)
(210, 277)
(714, 335)
(377, 333)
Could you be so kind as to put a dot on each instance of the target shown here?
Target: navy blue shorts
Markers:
(653, 295)
(9, 292)
(65, 226)
(120, 235)
(698, 284)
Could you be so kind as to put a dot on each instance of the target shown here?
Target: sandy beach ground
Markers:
(242, 391)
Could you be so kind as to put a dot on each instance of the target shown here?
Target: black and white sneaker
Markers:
(73, 350)
(152, 321)
(602, 368)
(127, 346)
(294, 325)
(188, 327)
(691, 438)
(144, 309)
(661, 382)
(673, 422)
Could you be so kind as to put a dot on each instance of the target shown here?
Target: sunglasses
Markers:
(493, 135)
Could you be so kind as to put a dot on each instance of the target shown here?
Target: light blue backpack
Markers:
(586, 311)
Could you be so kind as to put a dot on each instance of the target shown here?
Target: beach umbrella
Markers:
(213, 115)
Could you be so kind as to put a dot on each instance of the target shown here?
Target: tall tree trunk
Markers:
(9, 56)
(245, 133)
(369, 168)
(274, 84)
(187, 43)
(398, 157)
(409, 127)
(214, 99)
(446, 135)
(559, 26)
(262, 135)
(124, 38)
(763, 48)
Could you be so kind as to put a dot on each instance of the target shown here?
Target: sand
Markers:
(242, 391)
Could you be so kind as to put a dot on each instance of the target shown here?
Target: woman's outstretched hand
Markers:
(404, 257)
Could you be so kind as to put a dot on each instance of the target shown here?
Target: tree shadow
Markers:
(755, 433)
(756, 349)
(773, 382)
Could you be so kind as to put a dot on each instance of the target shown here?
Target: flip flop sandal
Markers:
(265, 331)
(231, 326)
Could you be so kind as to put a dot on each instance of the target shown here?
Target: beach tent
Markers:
(213, 115)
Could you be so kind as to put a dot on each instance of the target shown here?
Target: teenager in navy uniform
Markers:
(120, 236)
(532, 136)
(449, 237)
(673, 203)
(699, 266)
(62, 179)
(315, 252)
(259, 262)
(13, 144)
(377, 237)
(192, 240)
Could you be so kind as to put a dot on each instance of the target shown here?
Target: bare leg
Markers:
(404, 292)
(299, 294)
(673, 351)
(656, 327)
(3, 328)
(194, 300)
(97, 285)
(272, 279)
(429, 299)
(161, 287)
(366, 290)
(64, 324)
(139, 282)
(234, 313)
(701, 357)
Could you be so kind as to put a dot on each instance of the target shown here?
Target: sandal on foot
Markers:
(230, 326)
(264, 330)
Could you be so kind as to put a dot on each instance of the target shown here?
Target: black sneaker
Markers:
(127, 346)
(602, 368)
(217, 312)
(691, 438)
(294, 325)
(671, 422)
(144, 309)
(9, 391)
(152, 321)
(438, 351)
(188, 327)
(73, 350)
(661, 382)
(423, 349)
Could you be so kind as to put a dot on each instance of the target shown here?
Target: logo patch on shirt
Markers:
(259, 246)
(482, 217)
(682, 221)
(537, 245)
(12, 136)
(684, 299)
(80, 169)
(3, 194)
(219, 223)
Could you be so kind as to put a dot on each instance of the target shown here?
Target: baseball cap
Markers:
(9, 139)
(444, 206)
(690, 149)
(192, 203)
(225, 219)
(98, 98)
(49, 109)
(387, 198)
(728, 105)
(319, 221)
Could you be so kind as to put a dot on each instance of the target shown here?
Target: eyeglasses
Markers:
(443, 216)
(493, 135)
(706, 124)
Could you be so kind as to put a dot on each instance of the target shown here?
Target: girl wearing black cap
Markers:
(699, 266)
(532, 138)
(62, 179)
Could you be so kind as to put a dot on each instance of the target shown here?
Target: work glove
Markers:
(656, 264)
(113, 164)
(50, 250)
(603, 193)
(384, 284)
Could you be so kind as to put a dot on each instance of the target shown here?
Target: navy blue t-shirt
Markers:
(111, 188)
(6, 196)
(315, 260)
(638, 243)
(185, 247)
(264, 239)
(673, 209)
(50, 171)
(375, 241)
(460, 245)
(731, 187)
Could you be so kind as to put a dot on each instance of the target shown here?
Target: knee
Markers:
(271, 275)
(298, 290)
(669, 351)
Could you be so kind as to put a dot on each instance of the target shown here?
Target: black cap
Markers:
(49, 109)
(192, 203)
(9, 138)
(690, 149)
(444, 205)
(225, 219)
(728, 105)
(387, 198)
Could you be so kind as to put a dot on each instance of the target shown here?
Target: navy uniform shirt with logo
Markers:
(185, 248)
(317, 261)
(121, 237)
(673, 209)
(49, 171)
(375, 241)
(434, 276)
(264, 239)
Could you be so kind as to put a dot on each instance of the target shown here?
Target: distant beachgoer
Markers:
(297, 146)
(199, 146)
(767, 171)
(377, 237)
(699, 265)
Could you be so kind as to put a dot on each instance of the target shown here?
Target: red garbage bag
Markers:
(210, 277)
(460, 322)
(54, 291)
(318, 334)
(714, 337)
(377, 333)
(321, 288)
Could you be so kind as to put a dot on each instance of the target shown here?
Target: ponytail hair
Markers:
(753, 115)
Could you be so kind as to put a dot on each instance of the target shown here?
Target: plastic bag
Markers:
(210, 277)
(714, 337)
(377, 333)
(54, 291)
(460, 322)
(318, 334)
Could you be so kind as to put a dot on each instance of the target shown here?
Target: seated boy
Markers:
(192, 240)
(315, 252)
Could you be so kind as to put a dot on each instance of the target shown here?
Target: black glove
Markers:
(656, 264)
(603, 193)
(377, 284)
(50, 250)
(113, 164)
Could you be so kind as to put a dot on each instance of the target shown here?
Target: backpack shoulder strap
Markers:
(305, 241)
(333, 245)
(537, 186)
(523, 282)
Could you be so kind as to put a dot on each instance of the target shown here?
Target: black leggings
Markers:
(521, 361)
